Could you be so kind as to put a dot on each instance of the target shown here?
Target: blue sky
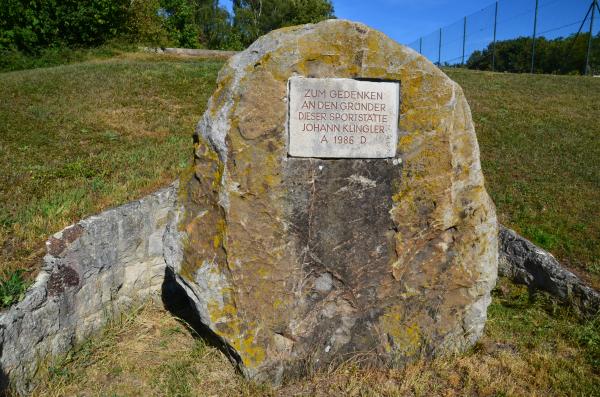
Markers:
(407, 20)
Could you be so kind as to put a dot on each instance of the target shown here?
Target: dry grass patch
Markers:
(532, 347)
(146, 353)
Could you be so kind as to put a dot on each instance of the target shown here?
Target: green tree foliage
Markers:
(145, 25)
(27, 25)
(179, 19)
(216, 30)
(183, 23)
(254, 18)
(196, 23)
(560, 55)
(89, 23)
(30, 26)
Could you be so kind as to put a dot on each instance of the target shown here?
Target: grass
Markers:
(77, 139)
(532, 346)
(540, 149)
(174, 362)
(12, 288)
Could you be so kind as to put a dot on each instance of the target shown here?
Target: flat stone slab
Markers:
(343, 118)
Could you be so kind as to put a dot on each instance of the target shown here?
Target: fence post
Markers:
(588, 68)
(440, 49)
(534, 34)
(420, 45)
(494, 45)
(464, 40)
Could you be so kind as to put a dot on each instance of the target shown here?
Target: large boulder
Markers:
(295, 263)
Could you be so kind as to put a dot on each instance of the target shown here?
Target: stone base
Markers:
(525, 263)
(93, 271)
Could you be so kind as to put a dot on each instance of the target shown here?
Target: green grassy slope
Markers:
(76, 139)
(540, 151)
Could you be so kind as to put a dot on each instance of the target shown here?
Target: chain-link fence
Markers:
(537, 36)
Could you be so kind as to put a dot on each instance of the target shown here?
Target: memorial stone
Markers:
(336, 206)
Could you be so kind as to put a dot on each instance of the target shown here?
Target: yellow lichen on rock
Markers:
(295, 260)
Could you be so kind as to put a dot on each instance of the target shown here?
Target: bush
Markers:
(28, 25)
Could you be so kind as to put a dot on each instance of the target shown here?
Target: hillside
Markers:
(540, 146)
(80, 138)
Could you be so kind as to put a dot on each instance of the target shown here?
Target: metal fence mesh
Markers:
(553, 37)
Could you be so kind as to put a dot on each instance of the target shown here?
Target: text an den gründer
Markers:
(320, 119)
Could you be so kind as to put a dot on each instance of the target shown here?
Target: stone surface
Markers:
(339, 118)
(190, 52)
(295, 263)
(92, 271)
(525, 263)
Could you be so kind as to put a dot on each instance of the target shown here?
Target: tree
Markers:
(216, 27)
(90, 23)
(146, 25)
(561, 55)
(254, 18)
(33, 25)
(199, 23)
(25, 25)
(180, 21)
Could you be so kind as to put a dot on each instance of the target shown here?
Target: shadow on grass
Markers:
(4, 383)
(182, 307)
